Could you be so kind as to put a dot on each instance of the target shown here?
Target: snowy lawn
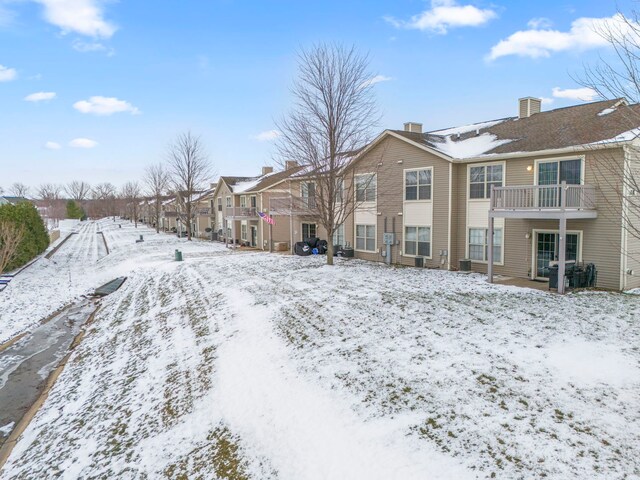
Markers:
(252, 365)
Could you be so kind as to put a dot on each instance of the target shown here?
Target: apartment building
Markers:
(512, 195)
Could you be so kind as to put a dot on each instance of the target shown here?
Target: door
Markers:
(254, 236)
(554, 173)
(547, 251)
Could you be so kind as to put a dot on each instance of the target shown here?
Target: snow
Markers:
(470, 147)
(606, 111)
(467, 128)
(623, 137)
(6, 429)
(248, 185)
(265, 366)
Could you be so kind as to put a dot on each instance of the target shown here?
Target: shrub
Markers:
(35, 239)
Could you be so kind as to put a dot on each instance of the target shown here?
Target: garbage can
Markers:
(553, 276)
(465, 265)
(178, 256)
(347, 252)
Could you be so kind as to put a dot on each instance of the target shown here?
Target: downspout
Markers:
(450, 215)
(624, 214)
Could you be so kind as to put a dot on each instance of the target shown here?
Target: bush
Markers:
(35, 239)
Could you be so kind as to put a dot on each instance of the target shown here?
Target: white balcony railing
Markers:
(293, 205)
(240, 212)
(544, 197)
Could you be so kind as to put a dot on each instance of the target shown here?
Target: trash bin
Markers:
(178, 256)
(465, 265)
(553, 276)
(347, 252)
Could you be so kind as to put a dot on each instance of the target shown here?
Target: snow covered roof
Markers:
(606, 121)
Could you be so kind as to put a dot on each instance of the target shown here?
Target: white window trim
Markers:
(375, 237)
(538, 161)
(534, 246)
(485, 164)
(364, 204)
(485, 262)
(404, 187)
(404, 228)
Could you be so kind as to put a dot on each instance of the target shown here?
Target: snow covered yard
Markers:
(251, 365)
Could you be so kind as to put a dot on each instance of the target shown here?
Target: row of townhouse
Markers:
(512, 195)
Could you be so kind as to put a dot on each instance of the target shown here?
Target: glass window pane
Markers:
(360, 243)
(425, 177)
(411, 178)
(548, 173)
(371, 244)
(494, 173)
(476, 174)
(570, 171)
(476, 236)
(497, 254)
(410, 248)
(371, 231)
(476, 252)
(410, 234)
(424, 249)
(411, 193)
(423, 234)
(497, 237)
(476, 190)
(424, 192)
(359, 230)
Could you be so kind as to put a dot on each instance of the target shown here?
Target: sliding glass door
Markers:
(547, 251)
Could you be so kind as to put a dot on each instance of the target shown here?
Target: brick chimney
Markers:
(290, 164)
(529, 106)
(413, 127)
(267, 170)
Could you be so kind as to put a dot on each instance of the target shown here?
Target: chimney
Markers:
(290, 164)
(529, 106)
(267, 170)
(413, 127)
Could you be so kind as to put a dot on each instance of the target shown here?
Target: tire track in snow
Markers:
(305, 431)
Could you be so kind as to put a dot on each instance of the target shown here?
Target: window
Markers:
(338, 235)
(366, 238)
(308, 230)
(228, 201)
(339, 192)
(243, 201)
(366, 188)
(219, 204)
(243, 232)
(482, 178)
(558, 171)
(478, 247)
(417, 241)
(253, 201)
(308, 191)
(417, 185)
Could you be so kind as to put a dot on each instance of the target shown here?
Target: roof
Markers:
(13, 200)
(587, 124)
(257, 184)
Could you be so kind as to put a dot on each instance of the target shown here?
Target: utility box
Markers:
(465, 265)
(389, 238)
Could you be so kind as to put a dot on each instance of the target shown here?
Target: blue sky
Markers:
(129, 75)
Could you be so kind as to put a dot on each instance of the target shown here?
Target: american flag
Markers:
(267, 218)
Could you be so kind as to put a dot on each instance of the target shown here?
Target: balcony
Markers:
(293, 205)
(203, 211)
(240, 212)
(544, 201)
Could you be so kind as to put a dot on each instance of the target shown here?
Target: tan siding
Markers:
(632, 270)
(601, 236)
(391, 194)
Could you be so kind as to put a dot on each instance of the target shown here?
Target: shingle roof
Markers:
(585, 124)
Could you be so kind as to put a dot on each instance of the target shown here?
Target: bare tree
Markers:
(189, 170)
(333, 118)
(19, 190)
(104, 197)
(618, 77)
(10, 237)
(156, 179)
(78, 190)
(131, 195)
(49, 191)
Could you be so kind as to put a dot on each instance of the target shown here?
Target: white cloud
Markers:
(446, 14)
(85, 17)
(84, 47)
(542, 42)
(584, 94)
(82, 143)
(52, 146)
(540, 22)
(105, 106)
(7, 74)
(267, 136)
(547, 100)
(40, 96)
(376, 79)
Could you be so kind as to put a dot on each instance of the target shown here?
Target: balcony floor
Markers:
(547, 213)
